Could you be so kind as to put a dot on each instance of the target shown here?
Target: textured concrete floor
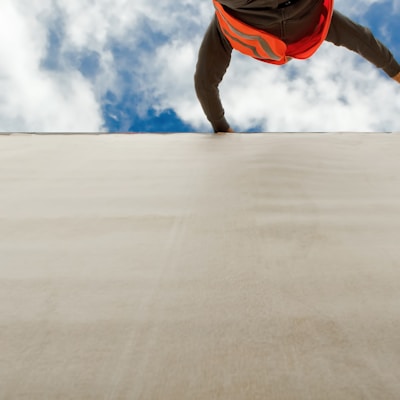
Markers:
(200, 267)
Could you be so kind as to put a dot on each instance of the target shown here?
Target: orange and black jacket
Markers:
(264, 46)
(290, 22)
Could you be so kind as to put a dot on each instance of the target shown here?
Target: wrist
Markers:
(220, 125)
(397, 77)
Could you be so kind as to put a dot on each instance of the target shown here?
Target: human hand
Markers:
(229, 130)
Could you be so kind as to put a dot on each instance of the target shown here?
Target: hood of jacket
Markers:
(248, 4)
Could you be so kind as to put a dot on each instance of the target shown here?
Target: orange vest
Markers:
(266, 47)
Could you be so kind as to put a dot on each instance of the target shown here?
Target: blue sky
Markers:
(119, 66)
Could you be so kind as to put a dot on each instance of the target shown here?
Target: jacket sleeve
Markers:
(213, 61)
(344, 32)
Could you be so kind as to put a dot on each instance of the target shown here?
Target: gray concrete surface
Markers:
(200, 267)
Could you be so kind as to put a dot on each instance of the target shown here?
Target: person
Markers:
(274, 31)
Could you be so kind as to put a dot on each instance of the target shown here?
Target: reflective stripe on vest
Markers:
(266, 47)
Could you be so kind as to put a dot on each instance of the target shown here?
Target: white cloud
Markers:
(32, 99)
(333, 91)
(35, 99)
(170, 77)
(355, 8)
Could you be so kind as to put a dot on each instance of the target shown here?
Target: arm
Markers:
(214, 58)
(345, 32)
